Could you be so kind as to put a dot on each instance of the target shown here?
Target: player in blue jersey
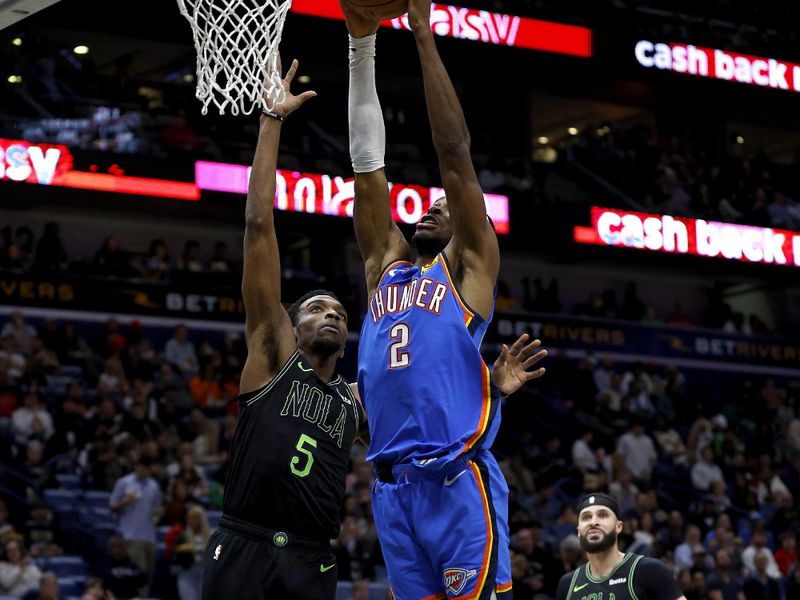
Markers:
(440, 503)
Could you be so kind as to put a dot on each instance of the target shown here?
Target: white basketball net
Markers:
(237, 52)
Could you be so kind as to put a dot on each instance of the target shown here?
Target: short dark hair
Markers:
(294, 309)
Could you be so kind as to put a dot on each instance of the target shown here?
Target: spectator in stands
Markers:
(360, 590)
(758, 547)
(724, 583)
(18, 574)
(121, 576)
(684, 581)
(13, 359)
(505, 301)
(179, 350)
(137, 498)
(583, 457)
(705, 471)
(17, 327)
(204, 435)
(12, 258)
(670, 442)
(190, 546)
(517, 474)
(637, 451)
(786, 555)
(31, 420)
(41, 531)
(760, 586)
(7, 531)
(192, 476)
(50, 253)
(684, 553)
(113, 381)
(206, 390)
(48, 588)
(41, 360)
(179, 135)
(94, 590)
(793, 583)
(602, 375)
(190, 260)
(220, 263)
(353, 551)
(178, 500)
(157, 265)
(78, 351)
(110, 259)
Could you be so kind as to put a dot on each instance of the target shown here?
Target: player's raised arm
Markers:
(379, 239)
(270, 337)
(474, 238)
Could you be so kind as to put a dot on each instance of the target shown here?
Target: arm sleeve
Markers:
(656, 580)
(563, 586)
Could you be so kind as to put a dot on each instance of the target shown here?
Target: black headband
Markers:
(599, 500)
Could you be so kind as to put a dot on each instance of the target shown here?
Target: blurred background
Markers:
(642, 161)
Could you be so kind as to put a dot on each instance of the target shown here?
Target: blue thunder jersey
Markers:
(425, 387)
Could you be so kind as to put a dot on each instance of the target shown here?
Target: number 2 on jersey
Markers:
(398, 357)
(304, 440)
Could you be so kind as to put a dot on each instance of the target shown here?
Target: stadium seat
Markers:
(95, 499)
(69, 586)
(344, 590)
(378, 591)
(161, 532)
(69, 482)
(60, 499)
(214, 517)
(103, 514)
(67, 566)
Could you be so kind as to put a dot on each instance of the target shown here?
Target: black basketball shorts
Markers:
(245, 562)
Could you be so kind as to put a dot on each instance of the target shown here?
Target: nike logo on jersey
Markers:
(578, 588)
(324, 569)
(345, 400)
(448, 481)
(616, 581)
(302, 368)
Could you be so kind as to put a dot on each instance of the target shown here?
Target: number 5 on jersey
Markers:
(398, 356)
(296, 460)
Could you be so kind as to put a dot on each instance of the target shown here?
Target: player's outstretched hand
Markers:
(357, 24)
(419, 14)
(512, 369)
(291, 103)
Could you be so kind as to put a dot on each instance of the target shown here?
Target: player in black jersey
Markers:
(297, 417)
(610, 574)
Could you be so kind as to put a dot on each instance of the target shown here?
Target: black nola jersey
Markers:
(634, 578)
(290, 452)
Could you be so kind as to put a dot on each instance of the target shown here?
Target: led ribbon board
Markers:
(317, 194)
(480, 26)
(687, 59)
(312, 193)
(47, 164)
(696, 237)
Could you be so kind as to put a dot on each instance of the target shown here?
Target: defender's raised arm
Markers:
(270, 338)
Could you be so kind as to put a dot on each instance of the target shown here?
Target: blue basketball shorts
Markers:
(445, 535)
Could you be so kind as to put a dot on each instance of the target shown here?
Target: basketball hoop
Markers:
(237, 52)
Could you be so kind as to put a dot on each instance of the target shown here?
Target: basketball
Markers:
(382, 9)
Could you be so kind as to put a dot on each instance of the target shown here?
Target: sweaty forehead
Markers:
(323, 299)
